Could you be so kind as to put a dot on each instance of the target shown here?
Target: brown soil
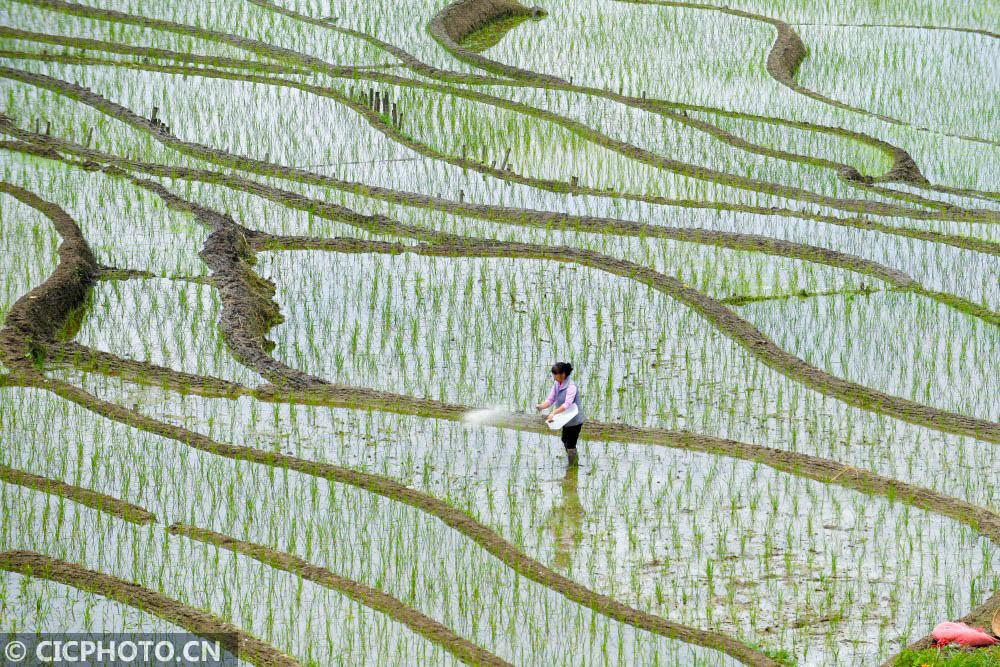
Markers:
(458, 20)
(803, 465)
(248, 307)
(488, 539)
(232, 252)
(32, 321)
(482, 535)
(724, 319)
(379, 123)
(35, 320)
(49, 147)
(902, 163)
(373, 598)
(147, 52)
(826, 471)
(234, 639)
(98, 501)
(97, 361)
(787, 54)
(903, 168)
(727, 321)
(948, 212)
(461, 19)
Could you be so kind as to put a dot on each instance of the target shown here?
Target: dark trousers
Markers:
(570, 434)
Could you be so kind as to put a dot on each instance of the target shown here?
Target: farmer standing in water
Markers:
(564, 394)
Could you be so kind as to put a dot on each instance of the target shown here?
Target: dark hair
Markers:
(562, 367)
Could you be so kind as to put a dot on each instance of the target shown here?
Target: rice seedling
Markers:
(282, 282)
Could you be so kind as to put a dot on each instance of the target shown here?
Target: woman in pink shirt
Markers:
(564, 395)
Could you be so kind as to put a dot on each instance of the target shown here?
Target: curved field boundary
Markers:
(726, 322)
(461, 648)
(96, 101)
(903, 168)
(598, 138)
(457, 20)
(8, 32)
(423, 625)
(783, 59)
(907, 26)
(479, 533)
(92, 360)
(724, 319)
(822, 470)
(36, 318)
(256, 47)
(39, 322)
(201, 623)
(447, 27)
(981, 519)
(47, 147)
(464, 17)
(826, 471)
(404, 57)
(787, 54)
(628, 150)
(377, 122)
(943, 211)
(93, 499)
(502, 213)
(248, 306)
(729, 240)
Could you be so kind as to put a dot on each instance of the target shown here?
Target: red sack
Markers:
(960, 633)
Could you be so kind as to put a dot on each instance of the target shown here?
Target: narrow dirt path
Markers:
(388, 488)
(903, 168)
(827, 471)
(787, 54)
(423, 625)
(449, 26)
(590, 134)
(29, 327)
(34, 321)
(724, 319)
(78, 494)
(453, 22)
(985, 521)
(530, 217)
(235, 640)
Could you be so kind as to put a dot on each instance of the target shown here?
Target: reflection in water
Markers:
(565, 521)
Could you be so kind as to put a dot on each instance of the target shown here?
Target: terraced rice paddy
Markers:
(283, 280)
